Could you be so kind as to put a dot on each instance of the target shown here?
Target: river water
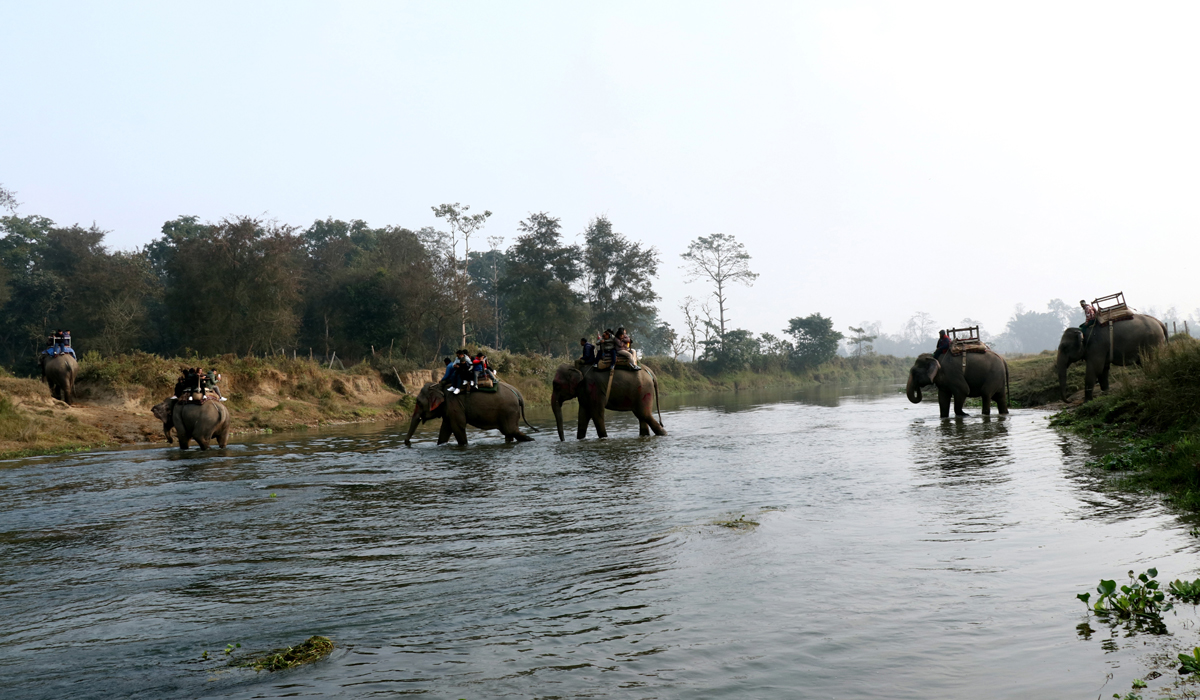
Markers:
(896, 555)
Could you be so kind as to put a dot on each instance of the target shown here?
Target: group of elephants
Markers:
(985, 374)
(981, 375)
(621, 390)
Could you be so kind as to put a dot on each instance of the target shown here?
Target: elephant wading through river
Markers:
(631, 391)
(201, 422)
(501, 410)
(59, 372)
(971, 374)
(1122, 343)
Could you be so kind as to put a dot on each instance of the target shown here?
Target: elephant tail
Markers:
(657, 407)
(1006, 382)
(521, 403)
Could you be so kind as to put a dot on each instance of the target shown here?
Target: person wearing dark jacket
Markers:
(943, 345)
(589, 352)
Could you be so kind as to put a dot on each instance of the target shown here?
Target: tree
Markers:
(731, 352)
(862, 341)
(234, 289)
(813, 339)
(462, 225)
(721, 259)
(919, 329)
(544, 312)
(619, 274)
(8, 200)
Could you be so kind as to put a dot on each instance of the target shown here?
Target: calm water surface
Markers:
(896, 556)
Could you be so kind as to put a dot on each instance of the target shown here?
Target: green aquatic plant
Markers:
(1139, 599)
(740, 524)
(1190, 663)
(1185, 591)
(312, 649)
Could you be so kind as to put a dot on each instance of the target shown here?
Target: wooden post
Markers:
(331, 359)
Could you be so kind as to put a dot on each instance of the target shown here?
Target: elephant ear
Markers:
(435, 402)
(933, 370)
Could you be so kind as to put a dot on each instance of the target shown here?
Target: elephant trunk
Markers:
(412, 426)
(556, 406)
(913, 390)
(1061, 365)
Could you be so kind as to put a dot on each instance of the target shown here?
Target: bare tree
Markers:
(721, 259)
(862, 340)
(920, 328)
(8, 200)
(495, 242)
(462, 225)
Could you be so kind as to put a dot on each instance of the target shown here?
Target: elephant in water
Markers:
(201, 422)
(59, 372)
(635, 391)
(971, 374)
(1122, 343)
(501, 410)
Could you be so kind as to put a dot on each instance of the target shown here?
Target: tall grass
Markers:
(1156, 415)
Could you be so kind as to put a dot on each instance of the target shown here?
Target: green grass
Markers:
(1155, 417)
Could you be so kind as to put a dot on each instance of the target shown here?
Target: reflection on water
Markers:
(898, 556)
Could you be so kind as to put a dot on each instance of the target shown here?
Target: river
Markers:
(895, 555)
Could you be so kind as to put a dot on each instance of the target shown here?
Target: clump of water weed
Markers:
(312, 649)
(740, 524)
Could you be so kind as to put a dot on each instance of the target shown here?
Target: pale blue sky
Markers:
(876, 159)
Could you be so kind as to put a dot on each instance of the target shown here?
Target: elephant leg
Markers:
(1089, 381)
(202, 443)
(444, 432)
(1002, 402)
(522, 437)
(585, 417)
(508, 438)
(184, 438)
(598, 420)
(987, 404)
(223, 436)
(1104, 378)
(959, 400)
(643, 428)
(460, 434)
(944, 402)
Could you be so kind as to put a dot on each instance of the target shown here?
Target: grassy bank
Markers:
(1155, 416)
(279, 393)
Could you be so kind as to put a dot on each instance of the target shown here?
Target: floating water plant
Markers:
(1185, 591)
(1190, 663)
(312, 649)
(1140, 599)
(740, 524)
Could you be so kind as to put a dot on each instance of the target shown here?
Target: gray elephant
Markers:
(1122, 343)
(59, 372)
(635, 391)
(163, 412)
(201, 422)
(501, 410)
(971, 374)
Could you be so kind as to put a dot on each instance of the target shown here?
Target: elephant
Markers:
(501, 410)
(59, 372)
(201, 422)
(163, 412)
(1122, 343)
(971, 374)
(635, 391)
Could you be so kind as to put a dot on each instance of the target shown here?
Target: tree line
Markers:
(249, 286)
(245, 285)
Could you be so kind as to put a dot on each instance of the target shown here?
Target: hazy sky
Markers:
(875, 159)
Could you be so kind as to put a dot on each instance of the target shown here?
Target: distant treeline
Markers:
(244, 285)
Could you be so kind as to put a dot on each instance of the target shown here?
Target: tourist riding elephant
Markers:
(635, 391)
(1122, 343)
(971, 374)
(201, 422)
(59, 372)
(501, 410)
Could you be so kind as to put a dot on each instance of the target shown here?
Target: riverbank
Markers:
(1154, 414)
(276, 394)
